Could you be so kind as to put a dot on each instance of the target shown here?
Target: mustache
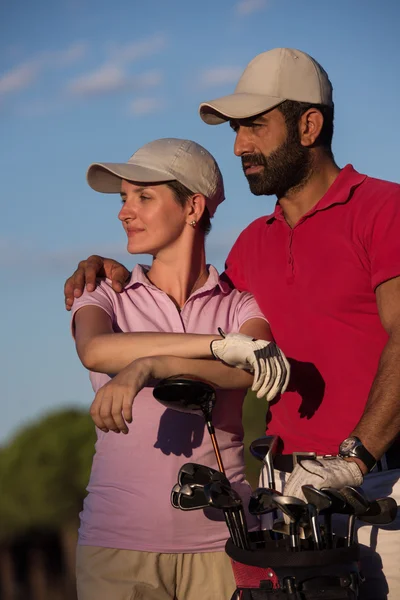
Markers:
(254, 160)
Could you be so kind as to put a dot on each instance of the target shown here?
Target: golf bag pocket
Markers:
(270, 571)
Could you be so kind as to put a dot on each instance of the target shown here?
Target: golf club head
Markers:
(175, 495)
(317, 498)
(291, 506)
(356, 498)
(186, 395)
(188, 497)
(339, 504)
(295, 510)
(262, 501)
(382, 511)
(200, 474)
(221, 496)
(283, 528)
(263, 446)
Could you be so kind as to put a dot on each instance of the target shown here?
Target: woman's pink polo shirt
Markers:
(128, 504)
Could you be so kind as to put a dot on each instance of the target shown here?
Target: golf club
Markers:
(227, 499)
(190, 395)
(359, 503)
(322, 505)
(262, 501)
(264, 449)
(295, 509)
(201, 474)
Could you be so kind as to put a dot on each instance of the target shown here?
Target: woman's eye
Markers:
(143, 197)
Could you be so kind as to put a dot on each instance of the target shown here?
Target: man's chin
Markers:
(258, 186)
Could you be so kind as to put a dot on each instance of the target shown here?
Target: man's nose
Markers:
(243, 143)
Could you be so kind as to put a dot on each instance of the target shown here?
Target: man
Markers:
(325, 270)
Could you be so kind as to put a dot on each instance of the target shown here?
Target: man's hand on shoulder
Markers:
(86, 273)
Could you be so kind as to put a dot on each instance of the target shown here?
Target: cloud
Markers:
(220, 76)
(145, 106)
(135, 51)
(248, 7)
(26, 74)
(114, 74)
(18, 78)
(111, 78)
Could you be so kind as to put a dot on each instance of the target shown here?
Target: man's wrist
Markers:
(363, 467)
(354, 449)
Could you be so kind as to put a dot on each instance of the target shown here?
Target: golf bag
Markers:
(270, 571)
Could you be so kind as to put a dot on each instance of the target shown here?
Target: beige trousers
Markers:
(108, 574)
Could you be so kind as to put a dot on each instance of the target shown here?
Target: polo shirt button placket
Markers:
(290, 261)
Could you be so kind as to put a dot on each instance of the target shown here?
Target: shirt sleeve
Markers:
(247, 309)
(101, 297)
(234, 266)
(382, 238)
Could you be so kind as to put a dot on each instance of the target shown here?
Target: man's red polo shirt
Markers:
(316, 285)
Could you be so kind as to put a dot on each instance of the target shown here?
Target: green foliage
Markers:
(254, 416)
(44, 472)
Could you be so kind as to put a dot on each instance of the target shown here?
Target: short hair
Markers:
(293, 110)
(182, 195)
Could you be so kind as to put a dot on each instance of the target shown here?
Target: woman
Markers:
(132, 543)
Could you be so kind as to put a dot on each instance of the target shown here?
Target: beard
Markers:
(287, 167)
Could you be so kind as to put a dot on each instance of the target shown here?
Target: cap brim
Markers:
(236, 106)
(106, 177)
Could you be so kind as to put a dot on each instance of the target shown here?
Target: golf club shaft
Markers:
(217, 452)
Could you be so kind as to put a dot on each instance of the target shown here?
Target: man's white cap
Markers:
(167, 159)
(269, 79)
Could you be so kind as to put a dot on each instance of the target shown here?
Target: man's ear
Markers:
(310, 126)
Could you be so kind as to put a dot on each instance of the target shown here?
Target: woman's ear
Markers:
(197, 205)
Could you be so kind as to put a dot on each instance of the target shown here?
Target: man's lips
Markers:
(249, 169)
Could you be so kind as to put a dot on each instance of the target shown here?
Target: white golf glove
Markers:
(332, 472)
(269, 364)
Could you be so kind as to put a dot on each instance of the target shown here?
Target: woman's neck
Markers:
(179, 273)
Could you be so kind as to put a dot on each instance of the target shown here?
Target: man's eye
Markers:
(143, 197)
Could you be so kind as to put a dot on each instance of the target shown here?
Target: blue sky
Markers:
(84, 81)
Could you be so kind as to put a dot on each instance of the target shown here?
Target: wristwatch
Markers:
(352, 447)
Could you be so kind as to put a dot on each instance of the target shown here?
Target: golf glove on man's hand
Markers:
(331, 472)
(269, 364)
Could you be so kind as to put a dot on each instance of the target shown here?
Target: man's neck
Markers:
(298, 201)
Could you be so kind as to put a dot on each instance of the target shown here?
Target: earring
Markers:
(193, 223)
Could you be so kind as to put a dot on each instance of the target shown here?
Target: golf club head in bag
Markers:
(264, 450)
(200, 474)
(262, 501)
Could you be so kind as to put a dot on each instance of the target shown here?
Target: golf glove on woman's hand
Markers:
(268, 363)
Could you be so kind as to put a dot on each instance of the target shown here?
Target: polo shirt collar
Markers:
(338, 193)
(138, 277)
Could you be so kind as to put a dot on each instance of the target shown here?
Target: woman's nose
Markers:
(126, 212)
